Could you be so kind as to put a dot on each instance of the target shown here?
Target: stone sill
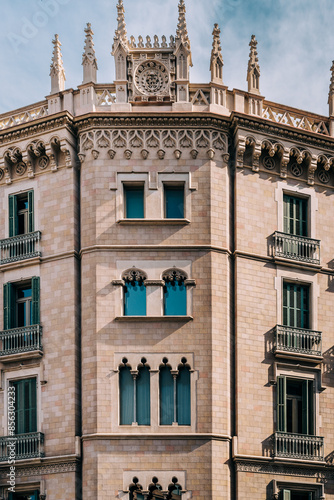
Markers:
(150, 319)
(154, 222)
(298, 357)
(296, 262)
(20, 356)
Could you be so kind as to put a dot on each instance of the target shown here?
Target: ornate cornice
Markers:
(41, 469)
(37, 127)
(275, 130)
(320, 472)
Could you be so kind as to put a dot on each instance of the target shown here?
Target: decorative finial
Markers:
(120, 34)
(181, 31)
(88, 57)
(57, 72)
(253, 71)
(216, 61)
(331, 92)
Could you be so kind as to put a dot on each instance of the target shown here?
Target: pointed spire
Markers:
(120, 33)
(216, 61)
(331, 92)
(57, 72)
(89, 61)
(253, 71)
(181, 31)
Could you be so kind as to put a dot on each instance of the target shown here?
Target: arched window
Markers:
(134, 293)
(175, 398)
(134, 394)
(175, 293)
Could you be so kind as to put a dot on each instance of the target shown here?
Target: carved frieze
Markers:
(284, 470)
(123, 142)
(41, 469)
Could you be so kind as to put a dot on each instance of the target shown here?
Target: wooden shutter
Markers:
(31, 212)
(12, 210)
(308, 407)
(8, 306)
(35, 299)
(281, 404)
(295, 215)
(286, 495)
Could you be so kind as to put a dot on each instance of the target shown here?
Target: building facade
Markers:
(167, 283)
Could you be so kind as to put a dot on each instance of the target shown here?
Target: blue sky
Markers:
(295, 43)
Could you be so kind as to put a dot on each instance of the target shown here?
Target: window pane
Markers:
(295, 215)
(175, 299)
(296, 305)
(174, 202)
(183, 402)
(134, 202)
(25, 406)
(143, 397)
(126, 393)
(166, 396)
(134, 299)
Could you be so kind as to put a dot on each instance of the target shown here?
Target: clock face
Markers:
(151, 78)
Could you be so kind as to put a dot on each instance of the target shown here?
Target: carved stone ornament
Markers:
(268, 162)
(324, 176)
(21, 168)
(128, 154)
(211, 153)
(144, 153)
(174, 276)
(132, 275)
(95, 154)
(2, 173)
(152, 78)
(177, 154)
(194, 153)
(81, 157)
(111, 154)
(161, 154)
(43, 162)
(296, 169)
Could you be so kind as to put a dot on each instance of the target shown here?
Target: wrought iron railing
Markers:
(299, 446)
(297, 340)
(23, 246)
(22, 446)
(22, 339)
(298, 248)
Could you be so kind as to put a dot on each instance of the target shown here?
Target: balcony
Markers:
(299, 446)
(22, 446)
(297, 341)
(25, 339)
(299, 248)
(21, 247)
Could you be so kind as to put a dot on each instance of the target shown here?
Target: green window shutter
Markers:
(134, 202)
(12, 207)
(31, 212)
(281, 404)
(295, 215)
(35, 287)
(25, 406)
(296, 311)
(286, 495)
(308, 407)
(8, 306)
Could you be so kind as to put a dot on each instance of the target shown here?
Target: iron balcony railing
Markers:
(23, 246)
(19, 340)
(22, 446)
(297, 340)
(299, 446)
(298, 248)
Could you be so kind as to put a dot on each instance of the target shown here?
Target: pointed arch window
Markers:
(175, 293)
(134, 292)
(134, 391)
(175, 396)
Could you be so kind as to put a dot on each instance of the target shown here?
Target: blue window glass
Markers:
(174, 202)
(143, 396)
(183, 403)
(134, 298)
(126, 391)
(134, 202)
(175, 293)
(166, 384)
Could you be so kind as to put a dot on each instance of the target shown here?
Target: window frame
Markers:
(176, 186)
(10, 302)
(13, 213)
(32, 407)
(127, 188)
(307, 403)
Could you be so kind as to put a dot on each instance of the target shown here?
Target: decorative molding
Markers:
(284, 470)
(41, 469)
